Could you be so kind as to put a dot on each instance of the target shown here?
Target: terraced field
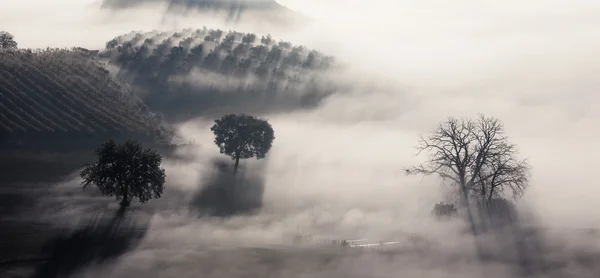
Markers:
(54, 94)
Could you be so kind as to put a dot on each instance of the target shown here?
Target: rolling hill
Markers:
(65, 99)
(209, 72)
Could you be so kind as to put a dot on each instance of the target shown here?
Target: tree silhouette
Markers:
(243, 136)
(476, 156)
(7, 41)
(126, 171)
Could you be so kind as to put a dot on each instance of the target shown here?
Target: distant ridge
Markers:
(245, 4)
(233, 9)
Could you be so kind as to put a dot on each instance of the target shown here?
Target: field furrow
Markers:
(38, 78)
(109, 114)
(26, 116)
(88, 106)
(31, 105)
(31, 87)
(9, 118)
(35, 107)
(53, 95)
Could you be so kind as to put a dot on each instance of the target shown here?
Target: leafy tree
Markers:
(193, 58)
(211, 61)
(229, 65)
(249, 38)
(311, 60)
(216, 34)
(474, 155)
(112, 44)
(7, 40)
(126, 171)
(266, 40)
(243, 136)
(285, 45)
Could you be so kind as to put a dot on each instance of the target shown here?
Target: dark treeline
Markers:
(211, 72)
(59, 98)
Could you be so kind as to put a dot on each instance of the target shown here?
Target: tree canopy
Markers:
(126, 171)
(243, 136)
(7, 40)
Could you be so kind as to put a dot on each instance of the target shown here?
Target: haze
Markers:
(533, 64)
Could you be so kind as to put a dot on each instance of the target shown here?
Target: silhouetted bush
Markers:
(443, 210)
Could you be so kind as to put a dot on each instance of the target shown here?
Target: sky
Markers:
(533, 64)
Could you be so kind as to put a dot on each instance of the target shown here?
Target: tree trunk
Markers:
(469, 211)
(488, 204)
(489, 211)
(237, 163)
(125, 201)
(465, 194)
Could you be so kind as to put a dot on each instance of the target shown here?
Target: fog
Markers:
(90, 23)
(337, 171)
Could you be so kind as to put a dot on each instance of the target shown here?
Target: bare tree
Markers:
(474, 155)
(502, 176)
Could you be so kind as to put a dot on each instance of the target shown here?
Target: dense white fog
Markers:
(338, 169)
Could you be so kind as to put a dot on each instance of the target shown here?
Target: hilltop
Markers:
(65, 99)
(208, 72)
(214, 4)
(232, 9)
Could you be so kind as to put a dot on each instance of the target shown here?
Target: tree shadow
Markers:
(104, 238)
(226, 193)
(505, 237)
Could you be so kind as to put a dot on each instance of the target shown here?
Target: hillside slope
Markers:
(66, 99)
(209, 72)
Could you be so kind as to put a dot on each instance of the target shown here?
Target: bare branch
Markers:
(422, 170)
(475, 155)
